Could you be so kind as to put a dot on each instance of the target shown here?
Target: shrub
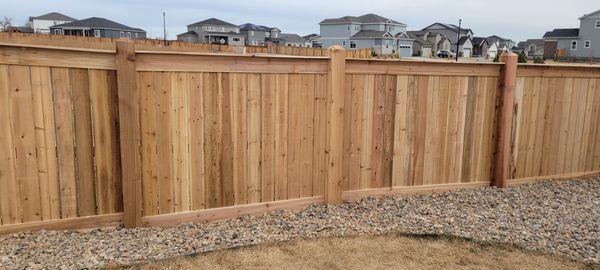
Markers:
(538, 60)
(497, 58)
(522, 57)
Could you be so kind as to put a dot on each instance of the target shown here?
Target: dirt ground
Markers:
(373, 252)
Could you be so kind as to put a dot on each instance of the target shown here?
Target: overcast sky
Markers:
(515, 19)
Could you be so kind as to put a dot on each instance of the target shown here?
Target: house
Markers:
(259, 35)
(382, 35)
(294, 40)
(213, 31)
(504, 44)
(41, 24)
(532, 47)
(450, 32)
(314, 40)
(582, 42)
(465, 47)
(97, 27)
(422, 46)
(484, 47)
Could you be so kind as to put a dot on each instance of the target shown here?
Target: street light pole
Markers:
(164, 30)
(458, 39)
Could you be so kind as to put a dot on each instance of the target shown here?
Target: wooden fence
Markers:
(91, 137)
(44, 40)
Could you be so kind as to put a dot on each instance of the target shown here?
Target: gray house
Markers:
(383, 35)
(295, 40)
(213, 31)
(41, 24)
(97, 27)
(532, 47)
(579, 42)
(259, 35)
(450, 32)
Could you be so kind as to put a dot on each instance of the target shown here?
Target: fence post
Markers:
(335, 107)
(129, 131)
(505, 119)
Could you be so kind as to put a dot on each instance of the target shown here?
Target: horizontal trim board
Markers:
(565, 176)
(558, 71)
(61, 48)
(355, 66)
(353, 195)
(56, 58)
(219, 63)
(222, 213)
(231, 54)
(65, 224)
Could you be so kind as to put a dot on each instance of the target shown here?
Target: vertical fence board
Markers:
(80, 91)
(281, 136)
(306, 111)
(196, 140)
(10, 209)
(65, 136)
(267, 137)
(148, 131)
(240, 137)
(212, 143)
(254, 128)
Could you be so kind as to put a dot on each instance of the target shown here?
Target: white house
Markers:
(41, 24)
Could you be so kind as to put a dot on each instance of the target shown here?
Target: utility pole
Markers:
(164, 30)
(458, 39)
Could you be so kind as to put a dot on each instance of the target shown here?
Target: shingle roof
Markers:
(21, 29)
(414, 35)
(212, 21)
(450, 26)
(371, 34)
(254, 27)
(562, 32)
(188, 33)
(53, 16)
(97, 22)
(462, 40)
(367, 18)
(478, 40)
(536, 42)
(292, 37)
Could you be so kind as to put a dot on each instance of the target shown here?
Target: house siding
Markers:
(588, 31)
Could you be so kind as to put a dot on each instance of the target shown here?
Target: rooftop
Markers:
(562, 32)
(213, 21)
(53, 16)
(367, 18)
(97, 22)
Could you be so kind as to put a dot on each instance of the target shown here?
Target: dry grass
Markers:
(373, 252)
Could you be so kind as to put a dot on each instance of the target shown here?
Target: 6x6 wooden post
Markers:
(505, 119)
(335, 107)
(129, 131)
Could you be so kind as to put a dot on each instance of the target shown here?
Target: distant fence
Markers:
(169, 45)
(91, 136)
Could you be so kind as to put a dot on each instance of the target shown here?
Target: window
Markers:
(97, 33)
(267, 34)
(236, 39)
(57, 31)
(252, 33)
(587, 43)
(129, 34)
(387, 43)
(597, 23)
(222, 29)
(275, 34)
(348, 27)
(355, 28)
(352, 44)
(209, 28)
(136, 35)
(574, 45)
(344, 42)
(122, 34)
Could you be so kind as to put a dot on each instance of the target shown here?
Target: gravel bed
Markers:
(558, 217)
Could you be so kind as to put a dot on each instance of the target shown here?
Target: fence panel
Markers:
(59, 143)
(556, 122)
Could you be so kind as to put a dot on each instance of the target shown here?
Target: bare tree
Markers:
(5, 23)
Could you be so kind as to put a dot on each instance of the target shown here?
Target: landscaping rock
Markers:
(558, 217)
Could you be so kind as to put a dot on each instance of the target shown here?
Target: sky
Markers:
(514, 19)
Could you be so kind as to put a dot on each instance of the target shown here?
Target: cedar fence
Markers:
(92, 137)
(169, 45)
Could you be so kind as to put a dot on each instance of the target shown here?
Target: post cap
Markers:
(336, 48)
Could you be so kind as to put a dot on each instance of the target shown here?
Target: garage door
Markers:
(405, 50)
(466, 52)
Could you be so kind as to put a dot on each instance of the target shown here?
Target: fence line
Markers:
(203, 137)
